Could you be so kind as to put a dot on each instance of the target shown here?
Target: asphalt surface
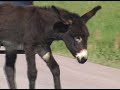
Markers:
(73, 75)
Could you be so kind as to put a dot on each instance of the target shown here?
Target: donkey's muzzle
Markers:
(82, 61)
(82, 56)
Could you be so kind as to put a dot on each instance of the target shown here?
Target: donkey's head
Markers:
(74, 32)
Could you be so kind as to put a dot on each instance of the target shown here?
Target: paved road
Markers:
(73, 75)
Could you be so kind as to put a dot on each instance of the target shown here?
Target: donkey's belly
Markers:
(12, 45)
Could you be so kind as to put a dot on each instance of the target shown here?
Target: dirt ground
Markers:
(73, 75)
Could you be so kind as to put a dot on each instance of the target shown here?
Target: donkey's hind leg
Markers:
(10, 67)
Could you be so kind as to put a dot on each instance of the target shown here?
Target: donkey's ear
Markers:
(90, 14)
(60, 27)
(57, 11)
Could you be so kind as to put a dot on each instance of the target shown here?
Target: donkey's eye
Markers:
(78, 39)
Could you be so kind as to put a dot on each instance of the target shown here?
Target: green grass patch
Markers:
(104, 28)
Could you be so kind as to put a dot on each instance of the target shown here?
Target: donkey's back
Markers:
(16, 22)
(11, 20)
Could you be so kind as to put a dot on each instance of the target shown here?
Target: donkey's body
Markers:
(19, 24)
(33, 29)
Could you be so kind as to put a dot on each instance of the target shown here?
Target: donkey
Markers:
(33, 29)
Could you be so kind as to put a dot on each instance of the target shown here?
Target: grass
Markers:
(104, 28)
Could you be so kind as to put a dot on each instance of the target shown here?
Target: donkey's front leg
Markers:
(31, 65)
(53, 66)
